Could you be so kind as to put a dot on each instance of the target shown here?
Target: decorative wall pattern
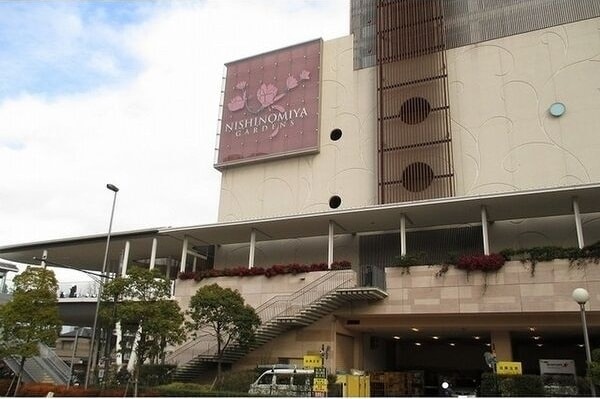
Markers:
(501, 91)
(344, 166)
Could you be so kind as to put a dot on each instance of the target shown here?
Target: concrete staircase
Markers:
(280, 314)
(47, 367)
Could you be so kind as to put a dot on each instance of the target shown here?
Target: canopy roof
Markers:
(87, 252)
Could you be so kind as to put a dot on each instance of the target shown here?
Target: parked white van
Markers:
(283, 382)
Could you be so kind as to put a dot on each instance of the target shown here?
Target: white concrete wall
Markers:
(345, 167)
(504, 138)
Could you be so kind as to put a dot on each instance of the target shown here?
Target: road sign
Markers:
(509, 368)
(311, 361)
(320, 372)
(320, 385)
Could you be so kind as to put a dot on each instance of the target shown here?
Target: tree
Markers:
(593, 371)
(222, 313)
(141, 302)
(30, 317)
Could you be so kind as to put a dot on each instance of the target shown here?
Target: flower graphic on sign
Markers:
(304, 75)
(291, 82)
(236, 103)
(266, 95)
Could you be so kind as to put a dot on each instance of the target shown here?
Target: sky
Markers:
(125, 92)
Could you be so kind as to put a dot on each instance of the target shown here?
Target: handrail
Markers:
(282, 305)
(290, 305)
(51, 359)
(263, 311)
(46, 364)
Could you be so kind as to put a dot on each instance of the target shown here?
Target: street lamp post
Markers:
(73, 357)
(581, 296)
(115, 190)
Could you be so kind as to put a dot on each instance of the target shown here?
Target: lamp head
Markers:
(580, 295)
(112, 187)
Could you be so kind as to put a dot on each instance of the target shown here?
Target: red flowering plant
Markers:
(484, 263)
(242, 271)
(187, 275)
(340, 265)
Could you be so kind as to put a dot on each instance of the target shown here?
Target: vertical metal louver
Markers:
(473, 21)
(414, 142)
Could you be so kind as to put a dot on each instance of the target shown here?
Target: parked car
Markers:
(283, 382)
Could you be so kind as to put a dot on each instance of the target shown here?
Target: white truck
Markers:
(283, 382)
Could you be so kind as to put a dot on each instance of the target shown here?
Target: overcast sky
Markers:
(125, 92)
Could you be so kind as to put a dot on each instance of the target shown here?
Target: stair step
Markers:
(295, 317)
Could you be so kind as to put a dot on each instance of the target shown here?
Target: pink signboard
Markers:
(271, 105)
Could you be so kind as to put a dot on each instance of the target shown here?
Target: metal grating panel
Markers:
(473, 21)
(435, 245)
(414, 150)
(362, 21)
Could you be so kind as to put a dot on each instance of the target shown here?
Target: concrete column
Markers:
(330, 245)
(125, 259)
(184, 252)
(134, 349)
(153, 253)
(194, 264)
(402, 235)
(2, 281)
(119, 338)
(168, 272)
(44, 257)
(501, 343)
(578, 225)
(252, 249)
(484, 230)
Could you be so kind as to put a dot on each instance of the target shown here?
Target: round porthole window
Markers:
(335, 202)
(557, 109)
(336, 134)
(415, 110)
(417, 176)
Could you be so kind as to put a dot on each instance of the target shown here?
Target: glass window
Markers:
(284, 379)
(266, 379)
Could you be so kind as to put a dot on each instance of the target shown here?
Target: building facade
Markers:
(436, 129)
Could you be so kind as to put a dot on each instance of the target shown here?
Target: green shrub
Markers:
(527, 385)
(583, 387)
(182, 389)
(416, 259)
(237, 381)
(179, 389)
(156, 374)
(511, 385)
(489, 385)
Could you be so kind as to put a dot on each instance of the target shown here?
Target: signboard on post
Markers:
(271, 105)
(312, 361)
(320, 381)
(559, 376)
(509, 368)
(320, 372)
